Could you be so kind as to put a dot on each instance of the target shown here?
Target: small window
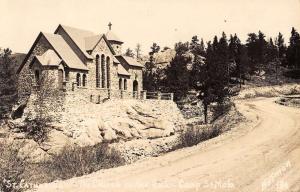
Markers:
(78, 79)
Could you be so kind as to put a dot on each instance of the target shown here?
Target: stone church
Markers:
(82, 62)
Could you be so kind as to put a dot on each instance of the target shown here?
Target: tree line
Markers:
(212, 68)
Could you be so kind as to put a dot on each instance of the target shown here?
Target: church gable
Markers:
(39, 47)
(103, 46)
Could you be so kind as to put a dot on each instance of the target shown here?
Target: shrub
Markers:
(72, 161)
(294, 74)
(11, 169)
(36, 129)
(195, 135)
(221, 109)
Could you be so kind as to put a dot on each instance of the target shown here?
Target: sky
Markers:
(146, 21)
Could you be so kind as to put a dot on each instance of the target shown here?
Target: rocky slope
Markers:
(116, 121)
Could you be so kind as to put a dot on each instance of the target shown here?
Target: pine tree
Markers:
(196, 47)
(261, 50)
(293, 52)
(252, 49)
(129, 53)
(138, 51)
(150, 76)
(178, 76)
(281, 48)
(271, 51)
(243, 67)
(8, 83)
(211, 77)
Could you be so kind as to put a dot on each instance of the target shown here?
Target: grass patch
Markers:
(74, 161)
(11, 169)
(196, 135)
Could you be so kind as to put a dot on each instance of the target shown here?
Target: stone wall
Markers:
(26, 77)
(117, 48)
(102, 48)
(135, 74)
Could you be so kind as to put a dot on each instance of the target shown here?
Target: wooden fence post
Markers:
(158, 95)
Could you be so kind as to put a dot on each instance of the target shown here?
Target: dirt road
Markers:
(263, 155)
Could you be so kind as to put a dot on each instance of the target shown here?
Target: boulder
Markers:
(31, 152)
(56, 141)
(108, 134)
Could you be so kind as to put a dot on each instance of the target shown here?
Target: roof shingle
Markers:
(49, 58)
(129, 60)
(65, 51)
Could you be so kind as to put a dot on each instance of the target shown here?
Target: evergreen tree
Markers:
(238, 56)
(261, 50)
(196, 47)
(281, 48)
(150, 76)
(177, 73)
(293, 52)
(138, 51)
(252, 49)
(210, 78)
(271, 51)
(129, 53)
(243, 68)
(8, 83)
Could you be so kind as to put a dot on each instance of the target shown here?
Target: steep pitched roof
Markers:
(49, 58)
(86, 40)
(115, 60)
(65, 51)
(129, 60)
(112, 37)
(78, 37)
(91, 41)
(60, 47)
(122, 70)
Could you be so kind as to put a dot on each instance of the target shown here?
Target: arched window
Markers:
(78, 79)
(84, 80)
(97, 71)
(108, 71)
(125, 84)
(103, 71)
(120, 84)
(37, 77)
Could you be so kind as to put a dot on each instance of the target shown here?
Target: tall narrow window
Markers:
(108, 71)
(97, 71)
(67, 75)
(125, 84)
(120, 84)
(84, 80)
(37, 77)
(103, 71)
(78, 79)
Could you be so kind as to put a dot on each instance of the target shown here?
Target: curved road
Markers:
(261, 155)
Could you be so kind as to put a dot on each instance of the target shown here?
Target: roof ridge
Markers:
(76, 28)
